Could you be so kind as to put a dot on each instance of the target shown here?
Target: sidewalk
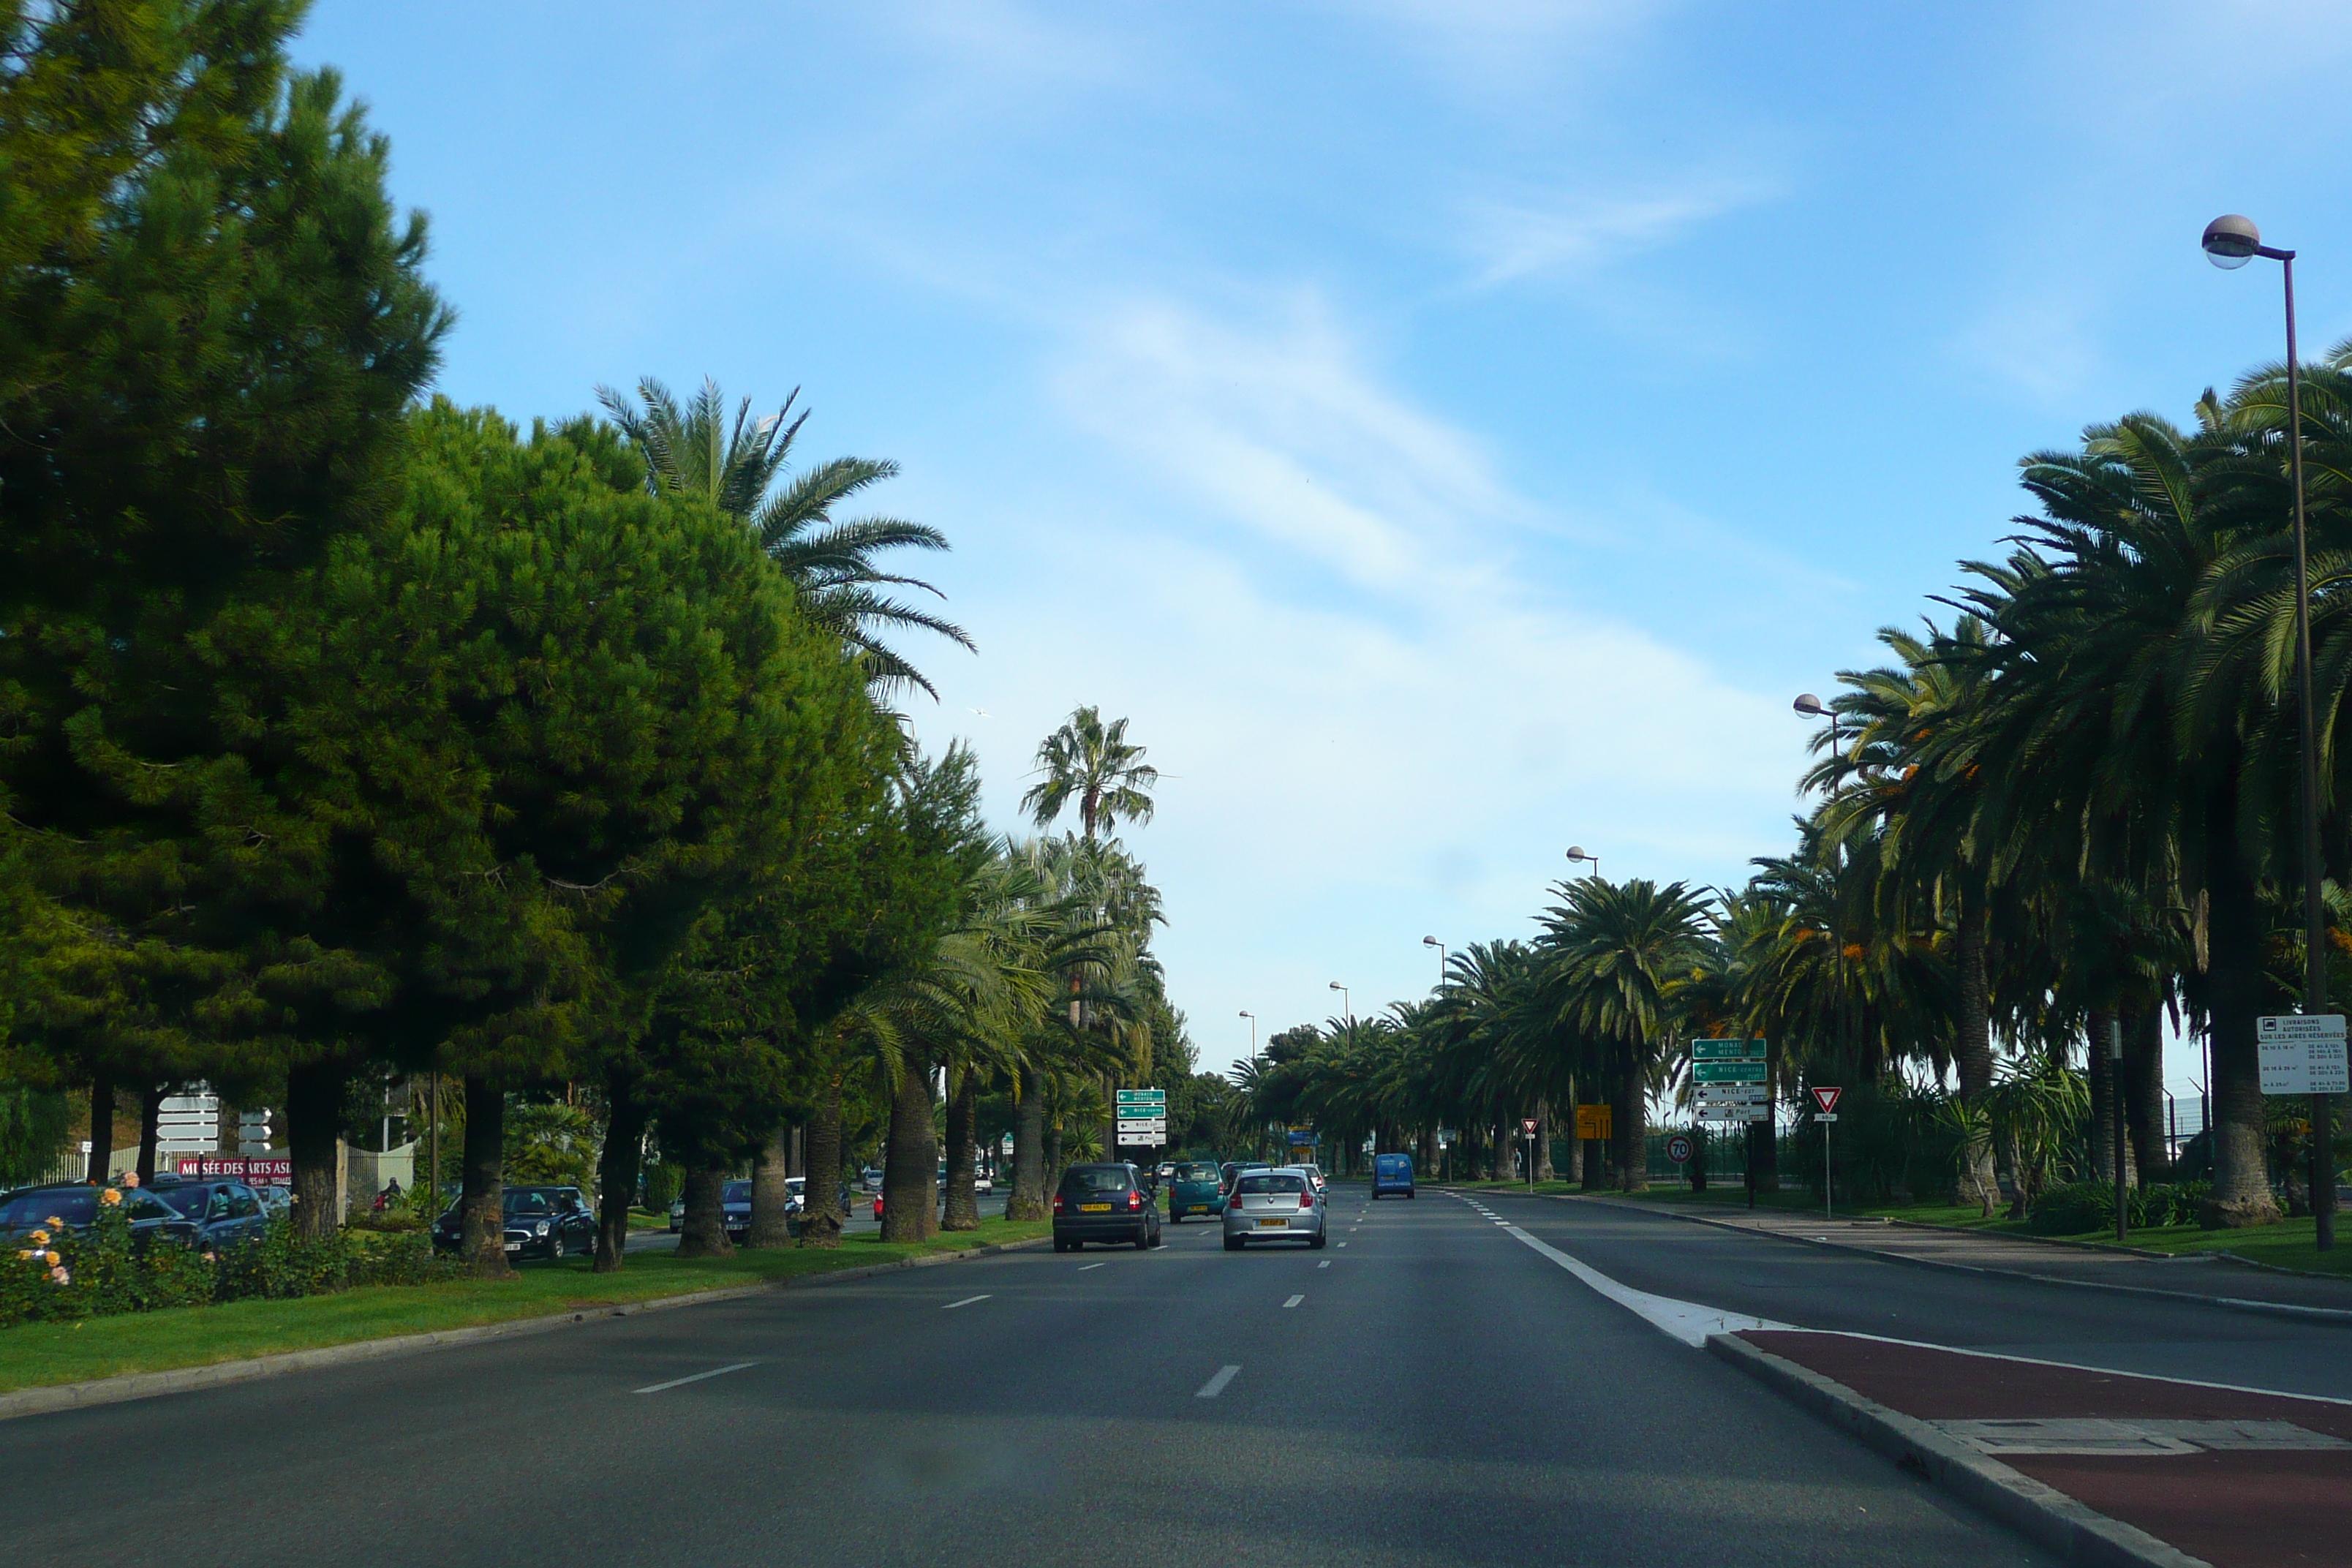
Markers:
(2199, 1277)
(2235, 1480)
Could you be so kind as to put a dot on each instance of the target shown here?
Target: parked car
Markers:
(549, 1222)
(735, 1211)
(1103, 1202)
(1193, 1188)
(1275, 1206)
(1166, 1170)
(1314, 1174)
(1392, 1173)
(276, 1200)
(73, 1207)
(870, 1178)
(224, 1213)
(982, 1183)
(678, 1214)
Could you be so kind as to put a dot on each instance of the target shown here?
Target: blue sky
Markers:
(1449, 432)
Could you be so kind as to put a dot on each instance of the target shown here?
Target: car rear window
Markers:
(1095, 1179)
(527, 1202)
(37, 1209)
(1272, 1183)
(1198, 1172)
(736, 1193)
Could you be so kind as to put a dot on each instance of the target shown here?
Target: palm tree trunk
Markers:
(963, 1154)
(771, 1197)
(1764, 1137)
(616, 1171)
(1499, 1169)
(482, 1213)
(2144, 1091)
(1629, 1135)
(2239, 990)
(1973, 1052)
(704, 1234)
(1028, 1200)
(1543, 1140)
(314, 1117)
(2102, 1077)
(821, 1215)
(910, 1168)
(1110, 1117)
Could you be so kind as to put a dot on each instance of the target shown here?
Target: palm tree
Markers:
(734, 464)
(1095, 764)
(1616, 956)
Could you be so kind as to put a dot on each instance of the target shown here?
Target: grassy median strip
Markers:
(34, 1355)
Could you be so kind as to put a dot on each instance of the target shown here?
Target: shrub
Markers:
(663, 1183)
(2077, 1208)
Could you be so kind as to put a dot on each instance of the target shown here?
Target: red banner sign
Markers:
(254, 1170)
(1827, 1099)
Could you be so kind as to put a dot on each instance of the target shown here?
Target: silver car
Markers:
(1274, 1206)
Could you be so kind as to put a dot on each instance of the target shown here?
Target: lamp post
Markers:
(1433, 941)
(1813, 707)
(1253, 1018)
(1576, 854)
(2229, 242)
(1347, 1007)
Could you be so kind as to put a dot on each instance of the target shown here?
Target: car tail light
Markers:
(1057, 1203)
(1306, 1200)
(1134, 1202)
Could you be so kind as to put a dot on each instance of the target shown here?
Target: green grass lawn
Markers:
(2290, 1243)
(33, 1354)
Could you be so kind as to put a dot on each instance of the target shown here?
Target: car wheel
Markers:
(1232, 1244)
(1317, 1244)
(555, 1247)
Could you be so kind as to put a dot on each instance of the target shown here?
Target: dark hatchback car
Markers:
(224, 1213)
(1194, 1187)
(1103, 1202)
(548, 1222)
(74, 1207)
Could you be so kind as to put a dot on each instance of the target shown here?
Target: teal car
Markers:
(1195, 1189)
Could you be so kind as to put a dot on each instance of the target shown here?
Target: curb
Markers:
(2042, 1514)
(2230, 1303)
(132, 1385)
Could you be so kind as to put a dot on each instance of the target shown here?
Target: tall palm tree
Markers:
(735, 464)
(1617, 955)
(1095, 764)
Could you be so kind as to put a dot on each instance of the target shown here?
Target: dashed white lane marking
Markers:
(967, 1301)
(1088, 1265)
(1341, 1244)
(697, 1378)
(1324, 1264)
(1216, 1385)
(1293, 1300)
(1686, 1320)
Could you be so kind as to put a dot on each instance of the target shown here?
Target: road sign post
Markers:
(1528, 1132)
(1734, 1084)
(1827, 1099)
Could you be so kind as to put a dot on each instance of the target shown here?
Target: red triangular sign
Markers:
(1827, 1099)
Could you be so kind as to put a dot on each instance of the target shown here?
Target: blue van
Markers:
(1392, 1173)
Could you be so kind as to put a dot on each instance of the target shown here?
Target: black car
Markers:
(735, 1211)
(1103, 1202)
(224, 1213)
(73, 1207)
(549, 1222)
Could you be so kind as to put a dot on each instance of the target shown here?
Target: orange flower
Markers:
(110, 1197)
(130, 1178)
(39, 1238)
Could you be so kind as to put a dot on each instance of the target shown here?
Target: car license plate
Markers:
(514, 1246)
(1094, 1208)
(1272, 1224)
(1198, 1208)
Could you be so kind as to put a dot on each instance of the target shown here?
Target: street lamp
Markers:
(2230, 241)
(1813, 707)
(1346, 1005)
(1576, 853)
(1433, 941)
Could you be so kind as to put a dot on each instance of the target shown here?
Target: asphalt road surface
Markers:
(860, 1219)
(1813, 1287)
(1429, 1390)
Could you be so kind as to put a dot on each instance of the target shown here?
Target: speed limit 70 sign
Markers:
(1678, 1148)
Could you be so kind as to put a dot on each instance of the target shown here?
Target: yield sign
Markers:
(1527, 1126)
(1827, 1099)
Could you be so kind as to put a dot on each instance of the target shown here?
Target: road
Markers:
(860, 1219)
(1427, 1391)
(1820, 1289)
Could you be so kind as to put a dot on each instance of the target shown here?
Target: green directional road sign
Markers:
(1727, 1072)
(1727, 1051)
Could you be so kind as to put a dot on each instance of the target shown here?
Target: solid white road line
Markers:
(1085, 1267)
(697, 1378)
(1686, 1320)
(1216, 1385)
(1293, 1300)
(967, 1301)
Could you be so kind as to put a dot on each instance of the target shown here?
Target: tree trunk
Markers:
(1699, 1157)
(1110, 1149)
(821, 1215)
(2240, 992)
(1498, 1168)
(616, 1172)
(1425, 1166)
(1629, 1135)
(1764, 1151)
(772, 1220)
(963, 1155)
(1543, 1140)
(102, 1126)
(910, 1167)
(1979, 1183)
(2144, 1091)
(314, 1122)
(482, 1213)
(704, 1232)
(1028, 1199)
(150, 1119)
(1574, 1173)
(2101, 1075)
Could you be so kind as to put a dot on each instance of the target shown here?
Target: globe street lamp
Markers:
(1813, 707)
(1576, 854)
(2230, 241)
(1433, 941)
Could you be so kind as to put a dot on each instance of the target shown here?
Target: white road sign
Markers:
(1141, 1139)
(1734, 1093)
(1734, 1113)
(2303, 1053)
(1155, 1125)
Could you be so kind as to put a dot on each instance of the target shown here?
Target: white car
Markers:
(981, 1184)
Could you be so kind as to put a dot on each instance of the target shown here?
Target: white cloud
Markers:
(1512, 239)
